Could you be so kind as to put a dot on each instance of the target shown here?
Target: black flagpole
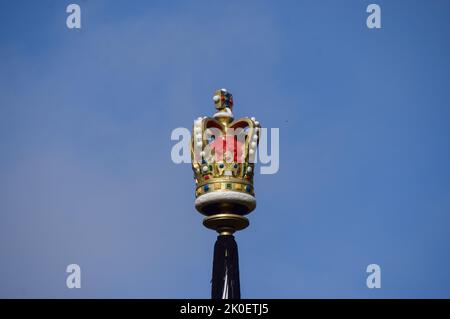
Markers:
(225, 276)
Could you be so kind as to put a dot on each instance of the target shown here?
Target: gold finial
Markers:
(223, 101)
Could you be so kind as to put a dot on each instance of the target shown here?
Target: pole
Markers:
(225, 275)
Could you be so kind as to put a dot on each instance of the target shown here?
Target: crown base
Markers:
(225, 184)
(221, 202)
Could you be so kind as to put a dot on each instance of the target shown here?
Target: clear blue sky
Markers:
(85, 169)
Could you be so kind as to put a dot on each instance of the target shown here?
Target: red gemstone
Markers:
(206, 177)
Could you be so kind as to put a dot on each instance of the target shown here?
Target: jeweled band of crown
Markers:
(223, 154)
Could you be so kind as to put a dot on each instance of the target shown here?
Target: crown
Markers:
(223, 155)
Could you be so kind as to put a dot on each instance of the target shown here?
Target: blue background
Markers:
(86, 175)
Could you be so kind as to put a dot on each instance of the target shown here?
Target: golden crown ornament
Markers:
(223, 153)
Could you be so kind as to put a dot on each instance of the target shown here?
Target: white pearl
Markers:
(256, 123)
(255, 137)
(205, 168)
(216, 98)
(253, 144)
(251, 151)
(199, 144)
(197, 129)
(249, 169)
(253, 119)
(202, 154)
